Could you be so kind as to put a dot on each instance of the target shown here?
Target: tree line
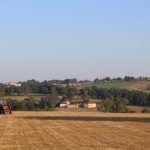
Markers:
(135, 98)
(126, 78)
(48, 102)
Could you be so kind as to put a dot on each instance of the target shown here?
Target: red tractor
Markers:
(5, 109)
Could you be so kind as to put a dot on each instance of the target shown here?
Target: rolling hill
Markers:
(135, 85)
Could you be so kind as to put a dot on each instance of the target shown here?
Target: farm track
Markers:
(74, 131)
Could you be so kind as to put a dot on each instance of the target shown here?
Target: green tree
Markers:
(16, 105)
(116, 104)
(71, 92)
(109, 105)
(120, 105)
(48, 102)
(29, 104)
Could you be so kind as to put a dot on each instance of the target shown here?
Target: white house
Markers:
(89, 104)
(14, 84)
(73, 106)
(64, 104)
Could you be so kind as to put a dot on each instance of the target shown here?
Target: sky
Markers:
(83, 39)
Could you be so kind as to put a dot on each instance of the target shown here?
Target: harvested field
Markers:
(137, 109)
(19, 98)
(74, 131)
(141, 86)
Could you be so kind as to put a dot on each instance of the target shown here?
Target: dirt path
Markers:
(74, 131)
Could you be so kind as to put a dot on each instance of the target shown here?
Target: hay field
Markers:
(62, 130)
(140, 86)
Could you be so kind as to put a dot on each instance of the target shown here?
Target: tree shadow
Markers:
(87, 118)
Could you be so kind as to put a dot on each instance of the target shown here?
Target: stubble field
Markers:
(61, 130)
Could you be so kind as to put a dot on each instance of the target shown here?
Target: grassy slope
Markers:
(21, 98)
(109, 85)
(138, 85)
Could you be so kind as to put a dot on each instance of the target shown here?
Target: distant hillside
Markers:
(140, 86)
(135, 85)
(113, 84)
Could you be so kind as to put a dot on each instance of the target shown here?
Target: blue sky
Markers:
(85, 39)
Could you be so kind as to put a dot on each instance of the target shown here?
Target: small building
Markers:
(89, 104)
(14, 84)
(64, 104)
(73, 106)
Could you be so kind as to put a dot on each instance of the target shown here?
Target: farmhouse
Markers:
(68, 104)
(89, 104)
(73, 106)
(13, 84)
(78, 103)
(64, 104)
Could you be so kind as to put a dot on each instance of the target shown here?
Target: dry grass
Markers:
(74, 131)
(140, 86)
(19, 98)
(137, 108)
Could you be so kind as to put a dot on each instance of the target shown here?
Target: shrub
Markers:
(16, 105)
(29, 104)
(145, 110)
(132, 111)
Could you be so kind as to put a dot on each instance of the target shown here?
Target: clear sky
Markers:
(85, 39)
